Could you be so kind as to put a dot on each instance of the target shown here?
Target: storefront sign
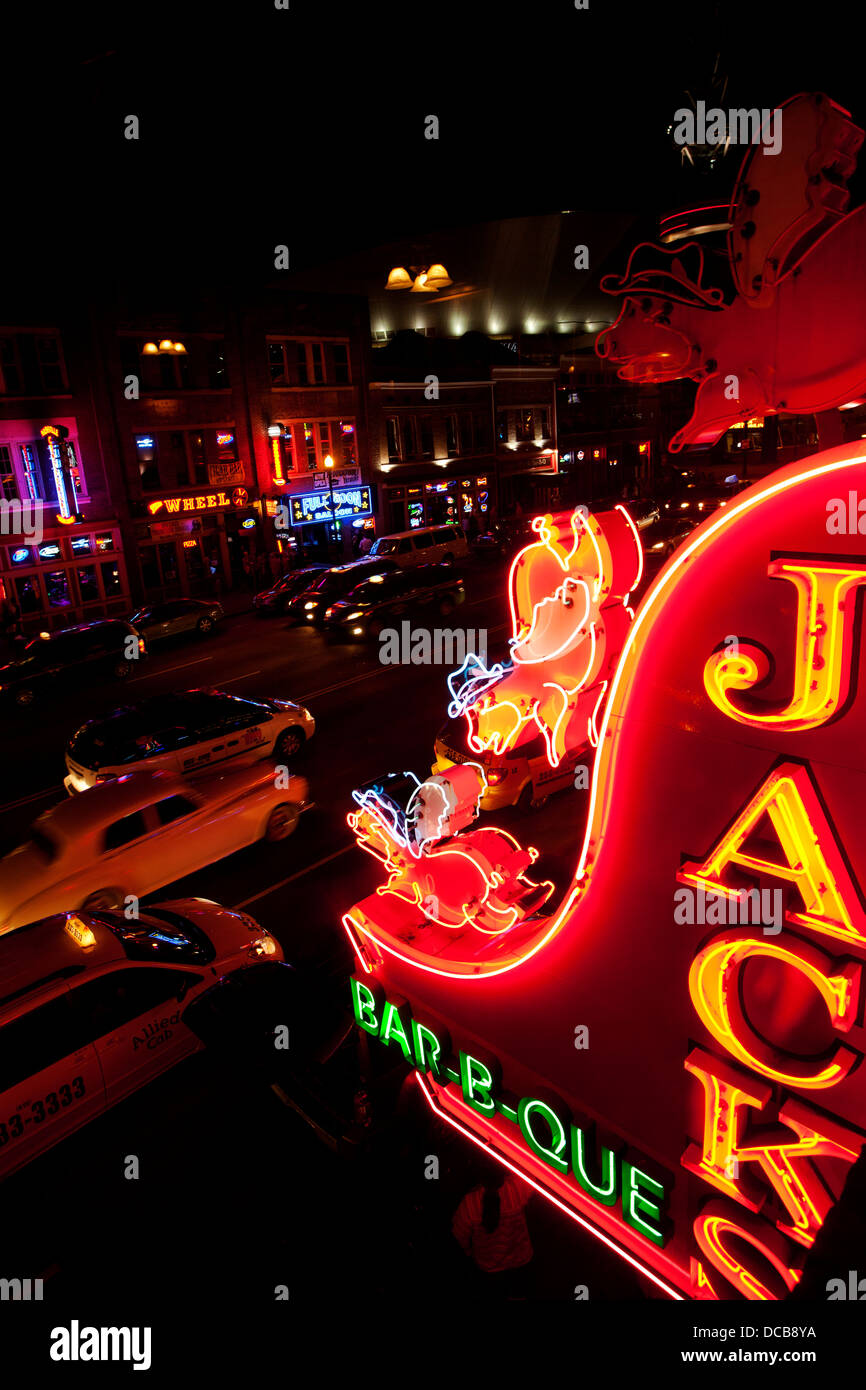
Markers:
(225, 472)
(341, 477)
(214, 501)
(348, 503)
(539, 1126)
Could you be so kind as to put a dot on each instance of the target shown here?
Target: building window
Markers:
(425, 436)
(217, 368)
(299, 362)
(8, 482)
(340, 363)
(11, 378)
(52, 373)
(147, 453)
(523, 428)
(502, 426)
(408, 437)
(393, 432)
(30, 463)
(32, 364)
(467, 433)
(451, 446)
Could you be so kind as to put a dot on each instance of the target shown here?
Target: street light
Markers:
(329, 464)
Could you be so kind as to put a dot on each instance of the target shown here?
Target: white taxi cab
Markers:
(92, 1007)
(189, 732)
(139, 832)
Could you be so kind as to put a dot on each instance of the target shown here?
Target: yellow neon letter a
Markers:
(813, 862)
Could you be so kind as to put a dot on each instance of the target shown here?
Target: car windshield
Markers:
(160, 935)
(386, 546)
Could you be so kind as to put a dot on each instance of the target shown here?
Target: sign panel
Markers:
(310, 507)
(225, 472)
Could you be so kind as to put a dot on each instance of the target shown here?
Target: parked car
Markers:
(139, 832)
(385, 599)
(277, 598)
(191, 732)
(504, 538)
(334, 583)
(93, 1006)
(643, 511)
(425, 546)
(54, 661)
(519, 777)
(177, 617)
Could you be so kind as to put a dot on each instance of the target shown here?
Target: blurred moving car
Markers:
(54, 661)
(426, 545)
(521, 777)
(665, 536)
(177, 617)
(139, 832)
(277, 598)
(189, 733)
(334, 583)
(93, 1006)
(384, 599)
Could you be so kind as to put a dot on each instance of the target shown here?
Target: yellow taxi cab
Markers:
(521, 777)
(139, 832)
(92, 1008)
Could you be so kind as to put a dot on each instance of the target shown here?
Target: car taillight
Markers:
(495, 776)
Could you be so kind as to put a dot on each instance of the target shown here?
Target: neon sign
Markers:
(451, 898)
(198, 502)
(568, 594)
(348, 502)
(729, 757)
(547, 1132)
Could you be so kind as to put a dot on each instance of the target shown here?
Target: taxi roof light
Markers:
(80, 932)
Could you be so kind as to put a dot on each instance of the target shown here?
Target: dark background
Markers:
(306, 127)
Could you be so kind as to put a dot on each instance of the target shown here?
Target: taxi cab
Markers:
(139, 832)
(521, 777)
(193, 731)
(92, 1008)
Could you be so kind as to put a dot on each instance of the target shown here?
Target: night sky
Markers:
(261, 126)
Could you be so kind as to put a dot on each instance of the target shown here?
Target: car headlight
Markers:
(308, 606)
(264, 945)
(350, 617)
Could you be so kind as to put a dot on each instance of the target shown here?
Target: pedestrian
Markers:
(490, 1227)
(366, 544)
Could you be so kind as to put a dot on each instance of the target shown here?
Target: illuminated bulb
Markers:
(149, 349)
(398, 279)
(166, 345)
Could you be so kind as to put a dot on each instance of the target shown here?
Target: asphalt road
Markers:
(370, 719)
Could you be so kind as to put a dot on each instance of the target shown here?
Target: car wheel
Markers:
(282, 821)
(524, 801)
(103, 900)
(446, 606)
(121, 670)
(24, 697)
(205, 625)
(289, 743)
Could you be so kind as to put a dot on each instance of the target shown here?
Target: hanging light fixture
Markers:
(438, 277)
(166, 345)
(180, 349)
(398, 279)
(150, 350)
(421, 287)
